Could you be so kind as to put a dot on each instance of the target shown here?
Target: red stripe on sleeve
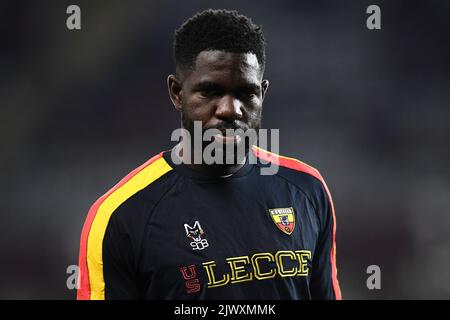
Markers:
(84, 292)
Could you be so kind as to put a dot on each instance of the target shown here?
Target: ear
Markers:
(175, 93)
(264, 87)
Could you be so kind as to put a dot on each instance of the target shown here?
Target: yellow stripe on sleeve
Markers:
(95, 241)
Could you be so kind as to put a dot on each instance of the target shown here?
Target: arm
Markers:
(118, 263)
(324, 284)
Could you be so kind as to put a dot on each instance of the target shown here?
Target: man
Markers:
(175, 228)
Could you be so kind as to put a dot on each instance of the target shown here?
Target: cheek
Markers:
(254, 114)
(197, 108)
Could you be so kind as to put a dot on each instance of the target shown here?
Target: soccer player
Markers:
(175, 229)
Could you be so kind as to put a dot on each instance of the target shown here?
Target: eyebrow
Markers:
(207, 85)
(204, 85)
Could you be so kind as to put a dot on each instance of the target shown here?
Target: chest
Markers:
(215, 236)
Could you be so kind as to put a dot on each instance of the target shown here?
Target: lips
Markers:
(228, 135)
(224, 139)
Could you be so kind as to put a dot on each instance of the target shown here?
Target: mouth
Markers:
(224, 139)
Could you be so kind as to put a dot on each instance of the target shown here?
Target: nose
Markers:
(229, 108)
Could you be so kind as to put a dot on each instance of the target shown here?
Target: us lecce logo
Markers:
(284, 219)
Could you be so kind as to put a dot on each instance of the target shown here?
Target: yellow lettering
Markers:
(279, 259)
(212, 282)
(263, 275)
(238, 273)
(303, 257)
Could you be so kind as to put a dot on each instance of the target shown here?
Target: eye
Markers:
(248, 95)
(207, 92)
(210, 92)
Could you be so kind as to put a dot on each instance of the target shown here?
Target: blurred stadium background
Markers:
(370, 109)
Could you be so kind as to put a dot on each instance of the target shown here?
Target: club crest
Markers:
(284, 219)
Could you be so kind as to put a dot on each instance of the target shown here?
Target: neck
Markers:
(219, 170)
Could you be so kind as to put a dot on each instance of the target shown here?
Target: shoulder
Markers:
(123, 200)
(116, 209)
(301, 175)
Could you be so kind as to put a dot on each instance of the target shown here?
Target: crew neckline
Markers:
(199, 175)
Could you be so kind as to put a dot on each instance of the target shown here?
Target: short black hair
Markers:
(220, 29)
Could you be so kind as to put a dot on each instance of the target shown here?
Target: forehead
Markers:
(227, 67)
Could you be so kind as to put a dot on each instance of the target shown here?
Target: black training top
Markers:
(168, 232)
